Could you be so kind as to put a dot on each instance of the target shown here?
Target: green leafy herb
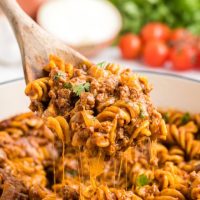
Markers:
(67, 85)
(102, 64)
(59, 74)
(185, 118)
(73, 172)
(180, 13)
(142, 180)
(78, 89)
(87, 86)
(166, 117)
(143, 112)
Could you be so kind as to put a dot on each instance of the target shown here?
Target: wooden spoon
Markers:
(36, 44)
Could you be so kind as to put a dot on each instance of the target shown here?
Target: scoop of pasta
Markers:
(98, 108)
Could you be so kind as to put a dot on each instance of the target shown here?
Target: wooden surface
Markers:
(36, 44)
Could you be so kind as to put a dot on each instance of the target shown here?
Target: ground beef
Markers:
(12, 188)
(101, 97)
(87, 100)
(124, 92)
(109, 84)
(134, 95)
(63, 100)
(69, 193)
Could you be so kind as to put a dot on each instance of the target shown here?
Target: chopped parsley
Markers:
(142, 180)
(59, 74)
(185, 118)
(102, 64)
(166, 117)
(77, 89)
(87, 86)
(143, 112)
(68, 85)
(73, 172)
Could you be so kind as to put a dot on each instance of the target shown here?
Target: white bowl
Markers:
(170, 91)
(86, 25)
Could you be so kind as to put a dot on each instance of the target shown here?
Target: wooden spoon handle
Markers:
(36, 44)
(15, 14)
(12, 10)
(17, 18)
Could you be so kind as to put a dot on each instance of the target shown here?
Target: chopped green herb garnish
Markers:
(142, 180)
(73, 172)
(87, 86)
(67, 85)
(166, 117)
(78, 89)
(102, 64)
(185, 118)
(59, 74)
(143, 112)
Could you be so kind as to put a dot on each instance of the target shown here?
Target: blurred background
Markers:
(155, 35)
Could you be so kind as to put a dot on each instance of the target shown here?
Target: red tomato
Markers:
(30, 6)
(198, 60)
(179, 34)
(130, 46)
(198, 57)
(155, 31)
(155, 53)
(182, 37)
(183, 58)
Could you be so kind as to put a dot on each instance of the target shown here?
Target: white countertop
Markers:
(14, 71)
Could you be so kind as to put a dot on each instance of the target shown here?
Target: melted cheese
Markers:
(96, 167)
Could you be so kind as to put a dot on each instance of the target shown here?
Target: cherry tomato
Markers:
(198, 54)
(155, 31)
(182, 37)
(198, 60)
(179, 34)
(183, 58)
(130, 46)
(30, 7)
(155, 53)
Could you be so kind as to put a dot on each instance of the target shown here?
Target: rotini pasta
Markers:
(102, 140)
(105, 109)
(32, 165)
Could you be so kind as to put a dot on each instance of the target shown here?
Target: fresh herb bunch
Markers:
(175, 13)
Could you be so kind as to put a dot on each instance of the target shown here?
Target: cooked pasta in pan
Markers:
(33, 166)
(100, 107)
(99, 138)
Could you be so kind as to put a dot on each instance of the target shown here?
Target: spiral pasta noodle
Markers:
(32, 164)
(100, 138)
(38, 89)
(26, 148)
(60, 126)
(195, 186)
(107, 109)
